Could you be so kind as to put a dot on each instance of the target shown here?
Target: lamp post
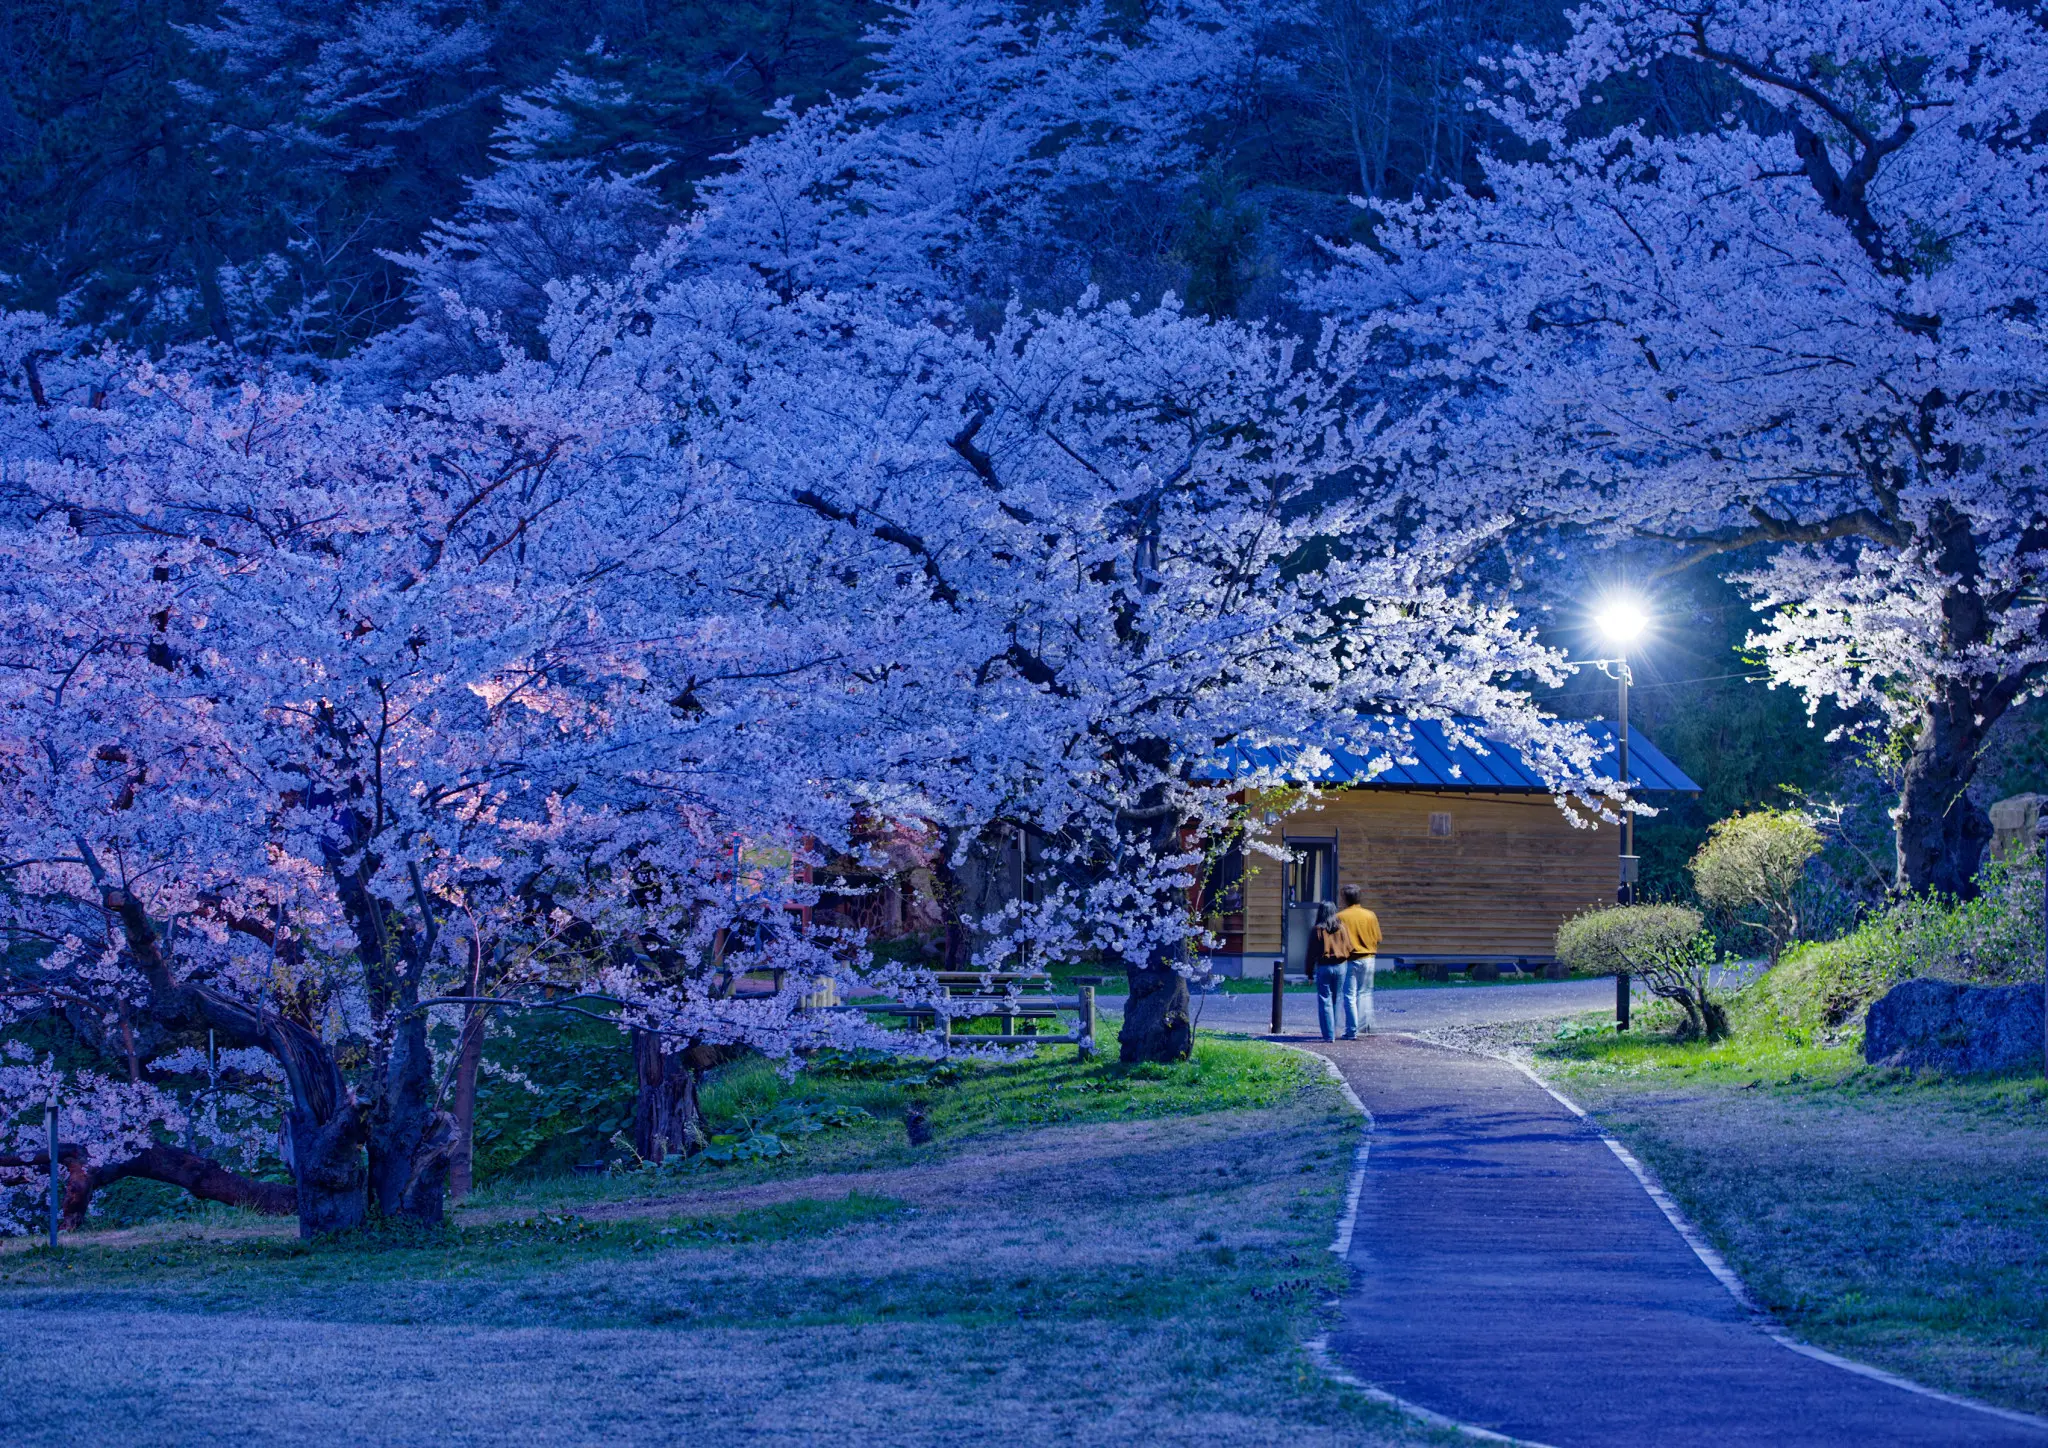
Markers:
(1621, 620)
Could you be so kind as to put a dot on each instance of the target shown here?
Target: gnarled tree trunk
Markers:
(1158, 1017)
(667, 1119)
(323, 1133)
(1940, 832)
(410, 1137)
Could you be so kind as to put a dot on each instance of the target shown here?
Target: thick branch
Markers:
(888, 533)
(1861, 523)
(201, 1176)
(985, 468)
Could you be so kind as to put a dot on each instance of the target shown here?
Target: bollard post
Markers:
(56, 1187)
(1279, 996)
(1621, 1000)
(1085, 1027)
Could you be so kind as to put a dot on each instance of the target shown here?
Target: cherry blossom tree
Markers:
(310, 710)
(1111, 544)
(1807, 326)
(324, 717)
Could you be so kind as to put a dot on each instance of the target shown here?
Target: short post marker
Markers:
(1621, 1000)
(1279, 996)
(56, 1187)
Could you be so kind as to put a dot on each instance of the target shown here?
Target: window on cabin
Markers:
(1223, 890)
(1440, 825)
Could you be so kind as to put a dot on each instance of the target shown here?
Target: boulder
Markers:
(1962, 1029)
(2013, 822)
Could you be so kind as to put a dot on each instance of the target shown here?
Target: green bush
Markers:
(553, 1091)
(1819, 993)
(1994, 939)
(1663, 946)
(1610, 938)
(1750, 869)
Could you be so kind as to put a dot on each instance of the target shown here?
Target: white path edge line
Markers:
(1318, 1347)
(1725, 1275)
(1319, 1350)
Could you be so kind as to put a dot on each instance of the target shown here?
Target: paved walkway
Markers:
(1513, 1275)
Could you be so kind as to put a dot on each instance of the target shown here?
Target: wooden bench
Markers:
(1021, 1009)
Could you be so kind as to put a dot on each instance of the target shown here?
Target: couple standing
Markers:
(1343, 954)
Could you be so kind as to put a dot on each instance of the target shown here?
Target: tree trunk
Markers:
(667, 1120)
(410, 1138)
(1940, 832)
(327, 1171)
(1158, 1022)
(469, 1058)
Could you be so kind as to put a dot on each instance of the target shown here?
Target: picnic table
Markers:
(1026, 1000)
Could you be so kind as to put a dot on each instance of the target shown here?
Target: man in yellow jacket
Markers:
(1362, 932)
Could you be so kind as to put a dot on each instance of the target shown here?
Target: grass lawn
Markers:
(1087, 1253)
(1898, 1220)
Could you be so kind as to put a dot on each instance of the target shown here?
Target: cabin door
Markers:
(1310, 882)
(1311, 872)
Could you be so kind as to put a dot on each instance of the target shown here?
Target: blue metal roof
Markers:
(1428, 760)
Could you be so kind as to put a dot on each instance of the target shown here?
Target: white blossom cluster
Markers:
(1808, 326)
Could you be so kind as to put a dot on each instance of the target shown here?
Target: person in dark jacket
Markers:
(1332, 975)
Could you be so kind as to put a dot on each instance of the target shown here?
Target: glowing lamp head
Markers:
(1621, 621)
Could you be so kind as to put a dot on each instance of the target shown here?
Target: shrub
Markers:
(1818, 995)
(1994, 939)
(1750, 869)
(1663, 946)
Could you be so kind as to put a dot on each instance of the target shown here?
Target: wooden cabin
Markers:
(1465, 856)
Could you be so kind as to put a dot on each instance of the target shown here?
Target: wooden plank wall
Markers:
(1511, 870)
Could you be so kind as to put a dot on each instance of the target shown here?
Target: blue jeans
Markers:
(1345, 988)
(1333, 994)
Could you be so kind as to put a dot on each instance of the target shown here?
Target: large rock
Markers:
(2013, 822)
(1962, 1029)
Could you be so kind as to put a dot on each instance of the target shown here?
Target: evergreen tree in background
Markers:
(254, 173)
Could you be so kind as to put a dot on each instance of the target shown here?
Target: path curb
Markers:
(1715, 1263)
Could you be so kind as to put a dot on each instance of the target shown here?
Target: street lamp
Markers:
(1622, 619)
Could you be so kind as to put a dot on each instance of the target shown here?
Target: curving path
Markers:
(1511, 1274)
